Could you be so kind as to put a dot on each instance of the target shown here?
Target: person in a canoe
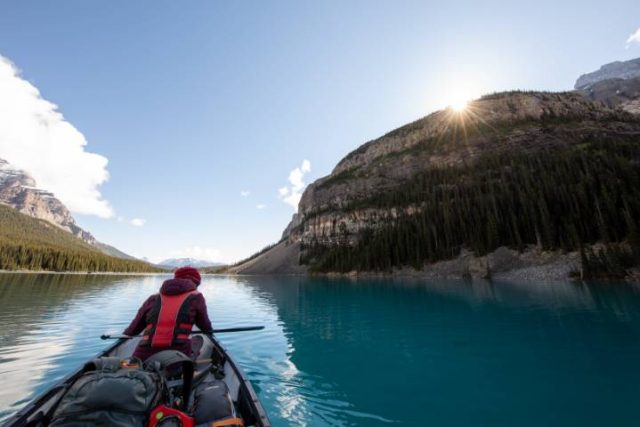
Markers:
(167, 318)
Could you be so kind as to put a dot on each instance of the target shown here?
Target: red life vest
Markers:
(168, 323)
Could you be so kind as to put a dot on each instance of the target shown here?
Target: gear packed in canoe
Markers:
(169, 376)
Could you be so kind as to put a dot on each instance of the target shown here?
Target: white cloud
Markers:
(291, 195)
(35, 137)
(245, 193)
(634, 38)
(138, 222)
(261, 206)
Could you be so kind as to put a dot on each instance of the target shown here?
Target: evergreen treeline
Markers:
(30, 244)
(609, 262)
(560, 198)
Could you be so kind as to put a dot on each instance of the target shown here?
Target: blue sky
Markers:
(194, 102)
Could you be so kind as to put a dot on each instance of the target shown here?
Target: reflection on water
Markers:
(45, 319)
(369, 352)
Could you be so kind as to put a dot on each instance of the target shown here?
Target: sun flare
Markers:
(459, 99)
(459, 105)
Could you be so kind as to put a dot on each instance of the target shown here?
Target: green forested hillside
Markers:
(32, 244)
(562, 197)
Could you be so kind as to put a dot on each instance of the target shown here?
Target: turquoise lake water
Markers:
(364, 353)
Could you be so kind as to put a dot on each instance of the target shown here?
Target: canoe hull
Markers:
(242, 393)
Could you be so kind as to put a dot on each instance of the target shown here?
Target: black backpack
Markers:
(111, 393)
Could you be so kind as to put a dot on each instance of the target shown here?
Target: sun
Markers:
(459, 105)
(459, 98)
(459, 101)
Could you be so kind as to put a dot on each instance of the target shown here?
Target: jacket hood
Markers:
(177, 286)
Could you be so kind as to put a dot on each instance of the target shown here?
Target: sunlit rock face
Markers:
(506, 107)
(18, 190)
(632, 106)
(615, 70)
(336, 209)
(364, 192)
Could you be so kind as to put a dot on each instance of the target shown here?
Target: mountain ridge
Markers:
(19, 191)
(172, 263)
(614, 70)
(28, 243)
(357, 218)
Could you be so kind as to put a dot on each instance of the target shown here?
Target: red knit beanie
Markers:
(188, 273)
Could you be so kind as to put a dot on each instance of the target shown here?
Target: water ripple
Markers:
(62, 319)
(370, 353)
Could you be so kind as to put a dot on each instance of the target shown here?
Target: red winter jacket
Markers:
(197, 315)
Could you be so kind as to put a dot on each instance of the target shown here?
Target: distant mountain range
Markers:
(28, 243)
(19, 191)
(47, 225)
(544, 184)
(37, 232)
(618, 70)
(547, 184)
(173, 263)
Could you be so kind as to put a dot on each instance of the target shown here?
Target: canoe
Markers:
(212, 354)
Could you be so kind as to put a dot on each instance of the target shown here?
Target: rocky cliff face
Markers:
(620, 93)
(18, 190)
(336, 209)
(371, 193)
(615, 70)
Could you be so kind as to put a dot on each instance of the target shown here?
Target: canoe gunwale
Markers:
(22, 416)
(245, 385)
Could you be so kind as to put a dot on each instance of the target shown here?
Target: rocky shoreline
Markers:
(502, 264)
(531, 265)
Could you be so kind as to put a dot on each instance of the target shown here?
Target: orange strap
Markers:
(228, 422)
